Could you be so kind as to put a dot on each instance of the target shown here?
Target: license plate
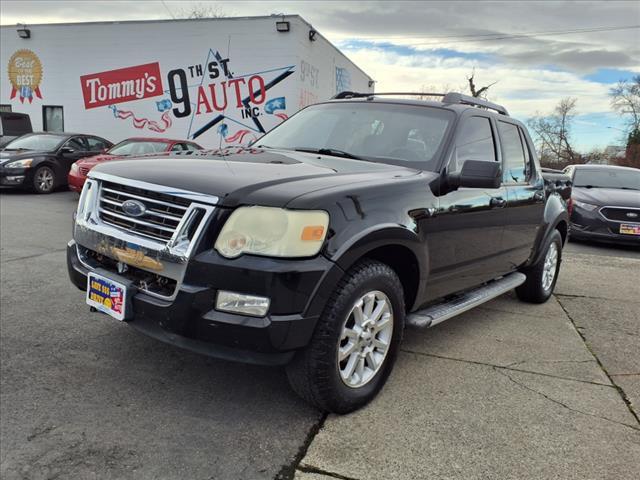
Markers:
(106, 295)
(630, 228)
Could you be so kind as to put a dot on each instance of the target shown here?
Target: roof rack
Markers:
(449, 98)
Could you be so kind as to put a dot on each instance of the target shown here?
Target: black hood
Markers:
(253, 176)
(7, 156)
(613, 197)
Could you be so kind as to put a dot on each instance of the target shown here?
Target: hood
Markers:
(19, 155)
(92, 161)
(613, 197)
(266, 177)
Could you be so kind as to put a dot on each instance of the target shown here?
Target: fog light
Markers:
(241, 303)
(15, 178)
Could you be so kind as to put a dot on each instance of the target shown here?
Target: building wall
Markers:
(218, 82)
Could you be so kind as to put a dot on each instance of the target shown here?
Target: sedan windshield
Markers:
(607, 178)
(136, 147)
(388, 133)
(41, 142)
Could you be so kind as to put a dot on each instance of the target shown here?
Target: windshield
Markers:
(607, 178)
(387, 133)
(137, 147)
(43, 143)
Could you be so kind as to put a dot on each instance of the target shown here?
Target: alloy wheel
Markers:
(365, 339)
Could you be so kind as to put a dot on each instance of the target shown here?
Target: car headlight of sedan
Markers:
(24, 163)
(273, 232)
(585, 206)
(74, 168)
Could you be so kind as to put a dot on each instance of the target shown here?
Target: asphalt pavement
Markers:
(509, 390)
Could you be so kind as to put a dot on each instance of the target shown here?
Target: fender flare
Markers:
(555, 212)
(359, 246)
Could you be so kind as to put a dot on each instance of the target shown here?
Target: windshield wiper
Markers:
(329, 151)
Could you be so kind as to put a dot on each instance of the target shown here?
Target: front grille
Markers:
(621, 214)
(84, 171)
(160, 220)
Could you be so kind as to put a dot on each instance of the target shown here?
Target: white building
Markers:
(216, 81)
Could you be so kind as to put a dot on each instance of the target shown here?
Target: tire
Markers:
(44, 179)
(317, 375)
(538, 287)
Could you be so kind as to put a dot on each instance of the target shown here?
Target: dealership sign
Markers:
(121, 85)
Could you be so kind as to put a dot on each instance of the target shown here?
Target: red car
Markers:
(126, 148)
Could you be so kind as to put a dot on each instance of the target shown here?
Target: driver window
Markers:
(77, 143)
(474, 142)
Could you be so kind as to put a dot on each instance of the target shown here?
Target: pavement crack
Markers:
(558, 402)
(568, 295)
(319, 471)
(27, 257)
(288, 471)
(620, 391)
(510, 367)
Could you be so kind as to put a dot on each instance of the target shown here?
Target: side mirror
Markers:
(67, 150)
(477, 174)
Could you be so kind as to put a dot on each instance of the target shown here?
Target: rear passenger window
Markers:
(475, 142)
(515, 165)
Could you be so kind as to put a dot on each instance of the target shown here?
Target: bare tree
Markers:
(478, 92)
(625, 99)
(553, 133)
(202, 10)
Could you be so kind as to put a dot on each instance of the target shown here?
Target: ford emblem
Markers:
(632, 215)
(134, 208)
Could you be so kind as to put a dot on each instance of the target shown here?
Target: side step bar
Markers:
(440, 312)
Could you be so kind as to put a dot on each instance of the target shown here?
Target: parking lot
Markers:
(509, 390)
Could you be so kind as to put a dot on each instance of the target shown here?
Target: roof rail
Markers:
(341, 95)
(454, 97)
(450, 98)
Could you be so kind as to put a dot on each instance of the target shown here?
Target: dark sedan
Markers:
(41, 161)
(606, 203)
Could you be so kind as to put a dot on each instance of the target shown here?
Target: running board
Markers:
(445, 310)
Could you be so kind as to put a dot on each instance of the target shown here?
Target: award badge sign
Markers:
(25, 75)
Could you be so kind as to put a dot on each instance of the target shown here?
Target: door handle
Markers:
(497, 202)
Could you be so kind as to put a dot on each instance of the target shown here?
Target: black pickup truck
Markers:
(316, 246)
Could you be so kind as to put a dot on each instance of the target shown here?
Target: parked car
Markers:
(41, 161)
(127, 148)
(13, 125)
(606, 203)
(313, 248)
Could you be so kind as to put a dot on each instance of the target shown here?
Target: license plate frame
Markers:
(629, 229)
(101, 288)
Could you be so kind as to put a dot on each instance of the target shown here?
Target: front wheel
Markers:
(355, 343)
(44, 179)
(543, 275)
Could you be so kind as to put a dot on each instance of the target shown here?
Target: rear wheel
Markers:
(44, 179)
(542, 276)
(355, 343)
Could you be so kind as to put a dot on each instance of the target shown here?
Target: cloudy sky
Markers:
(536, 51)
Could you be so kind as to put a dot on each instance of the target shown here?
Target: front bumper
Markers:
(13, 177)
(190, 321)
(592, 225)
(76, 181)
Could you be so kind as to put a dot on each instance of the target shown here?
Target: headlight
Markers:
(74, 167)
(24, 163)
(273, 232)
(585, 206)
